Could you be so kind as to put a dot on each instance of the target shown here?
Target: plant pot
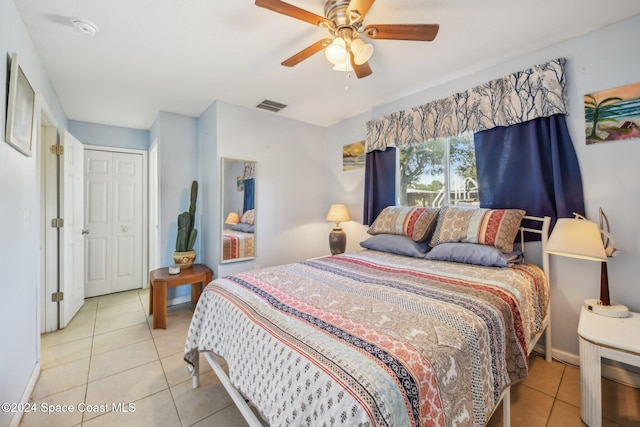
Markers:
(184, 260)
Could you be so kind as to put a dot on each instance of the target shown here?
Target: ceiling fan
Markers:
(344, 21)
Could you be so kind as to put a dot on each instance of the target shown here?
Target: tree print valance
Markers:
(516, 98)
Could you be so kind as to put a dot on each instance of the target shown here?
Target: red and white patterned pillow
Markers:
(413, 222)
(491, 227)
(248, 217)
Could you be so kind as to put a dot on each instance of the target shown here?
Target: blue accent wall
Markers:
(109, 136)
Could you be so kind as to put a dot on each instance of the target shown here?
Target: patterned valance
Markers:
(516, 98)
(249, 170)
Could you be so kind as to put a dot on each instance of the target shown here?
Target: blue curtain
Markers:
(531, 166)
(249, 196)
(379, 183)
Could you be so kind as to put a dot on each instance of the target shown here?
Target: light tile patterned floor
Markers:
(109, 354)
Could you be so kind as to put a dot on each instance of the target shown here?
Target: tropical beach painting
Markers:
(353, 156)
(612, 114)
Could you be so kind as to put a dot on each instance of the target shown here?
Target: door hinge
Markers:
(57, 223)
(57, 296)
(58, 150)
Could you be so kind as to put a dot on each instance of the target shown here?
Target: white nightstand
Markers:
(600, 336)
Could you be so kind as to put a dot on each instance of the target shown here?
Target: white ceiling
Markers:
(180, 56)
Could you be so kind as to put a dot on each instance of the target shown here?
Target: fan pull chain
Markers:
(346, 81)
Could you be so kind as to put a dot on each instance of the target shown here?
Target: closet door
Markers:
(113, 216)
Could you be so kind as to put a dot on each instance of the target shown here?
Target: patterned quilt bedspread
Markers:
(237, 244)
(370, 338)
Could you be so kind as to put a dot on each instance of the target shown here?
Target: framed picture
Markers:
(353, 156)
(20, 109)
(612, 114)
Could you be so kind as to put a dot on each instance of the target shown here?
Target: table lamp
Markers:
(232, 218)
(337, 237)
(580, 238)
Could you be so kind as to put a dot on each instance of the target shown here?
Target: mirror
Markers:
(238, 237)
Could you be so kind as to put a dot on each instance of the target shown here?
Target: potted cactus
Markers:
(184, 256)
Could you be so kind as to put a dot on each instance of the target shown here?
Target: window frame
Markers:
(446, 174)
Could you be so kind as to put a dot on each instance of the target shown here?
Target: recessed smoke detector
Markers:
(84, 26)
(271, 105)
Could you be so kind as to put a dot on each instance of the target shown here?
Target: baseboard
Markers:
(610, 369)
(17, 417)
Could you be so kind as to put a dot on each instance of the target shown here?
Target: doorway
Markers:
(154, 212)
(115, 187)
(62, 213)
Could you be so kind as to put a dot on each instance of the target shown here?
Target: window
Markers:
(438, 172)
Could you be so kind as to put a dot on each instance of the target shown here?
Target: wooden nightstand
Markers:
(612, 338)
(198, 276)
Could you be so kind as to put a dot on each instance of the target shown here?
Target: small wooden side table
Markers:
(159, 280)
(612, 338)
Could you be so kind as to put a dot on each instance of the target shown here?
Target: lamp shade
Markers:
(336, 52)
(344, 66)
(576, 238)
(361, 51)
(232, 218)
(338, 213)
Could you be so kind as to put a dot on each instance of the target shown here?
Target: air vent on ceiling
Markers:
(271, 105)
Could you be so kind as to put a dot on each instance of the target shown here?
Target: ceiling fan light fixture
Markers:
(336, 52)
(344, 66)
(361, 51)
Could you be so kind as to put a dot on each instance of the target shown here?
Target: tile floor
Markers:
(109, 354)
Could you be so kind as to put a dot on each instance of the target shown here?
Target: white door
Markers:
(71, 205)
(114, 221)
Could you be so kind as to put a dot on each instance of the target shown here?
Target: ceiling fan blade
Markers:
(307, 52)
(360, 6)
(362, 70)
(417, 32)
(293, 11)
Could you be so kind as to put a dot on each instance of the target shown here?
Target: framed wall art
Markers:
(353, 156)
(20, 126)
(612, 114)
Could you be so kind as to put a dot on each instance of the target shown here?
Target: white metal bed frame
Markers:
(252, 419)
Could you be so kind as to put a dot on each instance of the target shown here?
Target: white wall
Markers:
(177, 166)
(291, 188)
(208, 176)
(19, 223)
(610, 173)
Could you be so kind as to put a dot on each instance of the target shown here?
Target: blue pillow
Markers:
(396, 244)
(243, 226)
(473, 253)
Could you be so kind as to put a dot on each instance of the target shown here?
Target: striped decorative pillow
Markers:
(491, 227)
(415, 223)
(248, 217)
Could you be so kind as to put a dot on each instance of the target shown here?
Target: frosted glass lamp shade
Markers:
(336, 52)
(345, 66)
(361, 51)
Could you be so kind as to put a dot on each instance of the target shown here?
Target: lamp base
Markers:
(337, 241)
(616, 310)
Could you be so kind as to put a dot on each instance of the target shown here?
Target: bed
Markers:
(237, 245)
(374, 337)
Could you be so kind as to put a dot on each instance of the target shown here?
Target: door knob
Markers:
(125, 229)
(85, 231)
